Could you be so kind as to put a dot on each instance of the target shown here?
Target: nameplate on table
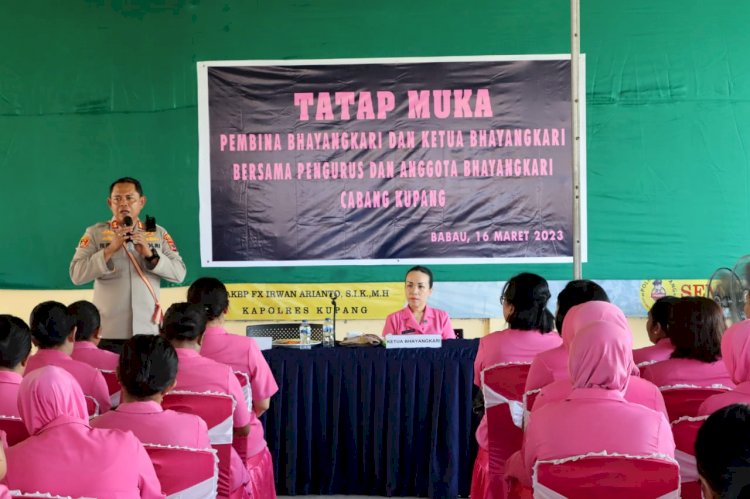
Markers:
(263, 342)
(413, 341)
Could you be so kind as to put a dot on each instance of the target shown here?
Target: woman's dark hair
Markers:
(695, 328)
(211, 294)
(722, 451)
(424, 270)
(184, 322)
(529, 294)
(661, 311)
(574, 293)
(15, 341)
(86, 317)
(147, 366)
(50, 324)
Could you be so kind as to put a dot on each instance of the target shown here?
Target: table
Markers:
(371, 421)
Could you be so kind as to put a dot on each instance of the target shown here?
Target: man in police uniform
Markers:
(126, 303)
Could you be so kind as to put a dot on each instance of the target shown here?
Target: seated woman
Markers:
(53, 330)
(657, 326)
(531, 330)
(241, 354)
(417, 317)
(696, 328)
(722, 453)
(595, 416)
(553, 364)
(147, 371)
(735, 351)
(64, 455)
(88, 335)
(638, 390)
(15, 348)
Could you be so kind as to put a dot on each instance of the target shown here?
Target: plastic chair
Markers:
(216, 409)
(15, 430)
(685, 400)
(612, 476)
(502, 386)
(283, 330)
(185, 473)
(113, 386)
(685, 430)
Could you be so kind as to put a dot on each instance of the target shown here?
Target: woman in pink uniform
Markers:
(735, 351)
(531, 330)
(657, 326)
(553, 364)
(638, 391)
(54, 332)
(15, 347)
(417, 317)
(241, 354)
(595, 417)
(64, 455)
(147, 371)
(696, 328)
(88, 334)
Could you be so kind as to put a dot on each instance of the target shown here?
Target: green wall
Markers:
(94, 90)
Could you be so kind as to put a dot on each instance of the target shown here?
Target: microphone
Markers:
(127, 222)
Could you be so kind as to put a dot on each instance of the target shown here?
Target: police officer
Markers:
(126, 263)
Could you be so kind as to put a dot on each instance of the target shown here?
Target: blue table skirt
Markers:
(373, 421)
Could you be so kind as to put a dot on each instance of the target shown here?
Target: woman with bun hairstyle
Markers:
(530, 331)
(657, 327)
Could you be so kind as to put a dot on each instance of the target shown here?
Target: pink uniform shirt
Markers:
(735, 351)
(687, 372)
(595, 416)
(434, 321)
(154, 425)
(510, 345)
(9, 383)
(552, 365)
(91, 380)
(64, 455)
(87, 352)
(654, 353)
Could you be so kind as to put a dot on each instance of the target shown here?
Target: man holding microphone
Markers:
(127, 260)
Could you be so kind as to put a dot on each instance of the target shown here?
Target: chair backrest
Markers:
(185, 473)
(92, 406)
(15, 430)
(17, 494)
(247, 389)
(502, 386)
(216, 409)
(684, 400)
(283, 330)
(113, 386)
(685, 430)
(528, 403)
(612, 476)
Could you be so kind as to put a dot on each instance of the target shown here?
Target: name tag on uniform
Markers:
(413, 341)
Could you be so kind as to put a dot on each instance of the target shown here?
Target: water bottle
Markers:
(328, 333)
(304, 335)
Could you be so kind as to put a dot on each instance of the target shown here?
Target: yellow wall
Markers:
(21, 302)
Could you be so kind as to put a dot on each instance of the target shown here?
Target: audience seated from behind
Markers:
(53, 330)
(657, 327)
(595, 416)
(638, 390)
(695, 327)
(553, 364)
(15, 347)
(241, 354)
(147, 371)
(184, 324)
(531, 330)
(64, 455)
(722, 452)
(735, 352)
(88, 334)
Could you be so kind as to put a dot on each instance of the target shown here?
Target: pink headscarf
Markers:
(48, 394)
(735, 350)
(600, 357)
(580, 315)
